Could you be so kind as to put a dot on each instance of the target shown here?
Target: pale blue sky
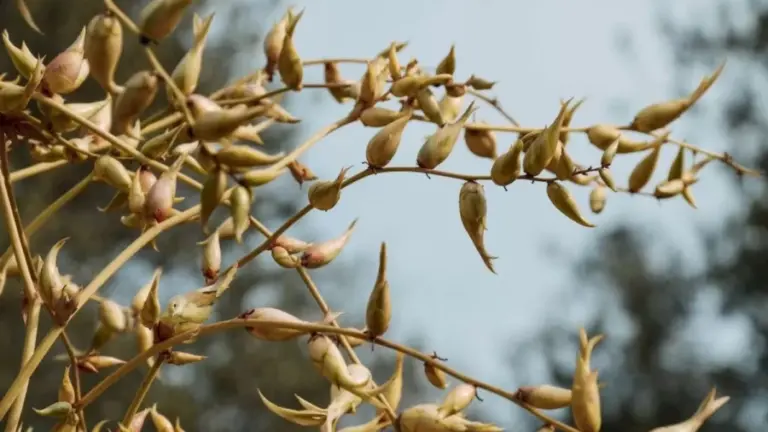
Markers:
(539, 52)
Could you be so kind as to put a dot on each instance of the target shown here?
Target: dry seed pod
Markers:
(278, 334)
(429, 106)
(66, 389)
(439, 145)
(23, 60)
(379, 310)
(435, 376)
(458, 399)
(187, 73)
(289, 63)
(481, 143)
(14, 98)
(300, 172)
(137, 96)
(211, 263)
(610, 152)
(706, 409)
(242, 156)
(260, 177)
(103, 47)
(329, 361)
(160, 198)
(383, 146)
(643, 171)
(161, 422)
(659, 115)
(324, 195)
(545, 396)
(137, 304)
(448, 64)
(51, 281)
(563, 201)
(291, 244)
(564, 135)
(585, 403)
(332, 76)
(150, 310)
(370, 89)
(211, 195)
(241, 199)
(217, 124)
(478, 83)
(68, 70)
(273, 45)
(678, 165)
(321, 254)
(284, 258)
(450, 107)
(379, 117)
(669, 188)
(607, 177)
(136, 194)
(473, 210)
(597, 199)
(409, 86)
(565, 166)
(159, 18)
(56, 409)
(101, 337)
(179, 358)
(543, 149)
(111, 315)
(395, 70)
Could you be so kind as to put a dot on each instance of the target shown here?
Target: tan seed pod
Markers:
(332, 76)
(689, 198)
(659, 115)
(273, 45)
(68, 70)
(545, 396)
(137, 303)
(458, 399)
(480, 142)
(669, 188)
(187, 73)
(597, 199)
(379, 117)
(284, 258)
(179, 358)
(643, 171)
(563, 201)
(370, 88)
(103, 47)
(51, 282)
(159, 18)
(101, 337)
(329, 361)
(450, 107)
(429, 106)
(610, 152)
(706, 409)
(678, 165)
(217, 124)
(111, 315)
(66, 389)
(56, 409)
(585, 404)
(291, 244)
(259, 177)
(103, 362)
(161, 196)
(395, 70)
(383, 146)
(23, 60)
(211, 195)
(379, 310)
(607, 177)
(409, 86)
(448, 64)
(150, 310)
(289, 63)
(565, 167)
(211, 263)
(435, 376)
(473, 211)
(15, 98)
(242, 156)
(321, 254)
(136, 194)
(300, 172)
(324, 195)
(242, 200)
(439, 145)
(161, 422)
(478, 83)
(564, 135)
(544, 147)
(507, 167)
(137, 96)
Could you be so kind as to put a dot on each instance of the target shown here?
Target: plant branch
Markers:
(138, 398)
(30, 339)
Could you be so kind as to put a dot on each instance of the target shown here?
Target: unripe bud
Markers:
(564, 202)
(56, 409)
(458, 399)
(150, 310)
(143, 293)
(379, 117)
(137, 96)
(678, 165)
(379, 310)
(473, 211)
(103, 47)
(409, 86)
(394, 64)
(329, 361)
(585, 404)
(370, 87)
(610, 152)
(429, 106)
(179, 358)
(448, 64)
(480, 142)
(273, 334)
(324, 195)
(321, 254)
(439, 145)
(669, 188)
(211, 257)
(187, 73)
(161, 422)
(545, 396)
(159, 18)
(15, 98)
(273, 45)
(136, 194)
(284, 258)
(597, 199)
(23, 59)
(643, 171)
(544, 148)
(68, 70)
(607, 177)
(217, 124)
(603, 136)
(435, 376)
(450, 107)
(211, 195)
(332, 75)
(111, 315)
(260, 177)
(292, 245)
(301, 173)
(383, 146)
(101, 336)
(242, 156)
(51, 281)
(478, 83)
(160, 198)
(66, 389)
(289, 63)
(241, 200)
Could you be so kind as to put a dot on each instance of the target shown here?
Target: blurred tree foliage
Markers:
(653, 375)
(219, 394)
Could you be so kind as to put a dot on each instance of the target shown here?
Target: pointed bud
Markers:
(99, 362)
(56, 409)
(321, 254)
(242, 156)
(545, 396)
(478, 83)
(217, 124)
(429, 106)
(51, 282)
(301, 173)
(329, 361)
(448, 64)
(161, 422)
(211, 195)
(150, 310)
(260, 177)
(137, 96)
(101, 337)
(332, 76)
(563, 201)
(276, 334)
(379, 310)
(544, 147)
(160, 198)
(273, 45)
(481, 143)
(597, 199)
(370, 87)
(179, 358)
(136, 194)
(284, 258)
(291, 244)
(68, 70)
(395, 70)
(143, 293)
(23, 60)
(585, 403)
(409, 86)
(187, 73)
(383, 146)
(706, 409)
(103, 47)
(289, 63)
(379, 117)
(439, 145)
(160, 17)
(66, 389)
(211, 257)
(111, 315)
(450, 107)
(473, 211)
(458, 399)
(669, 189)
(324, 195)
(435, 376)
(137, 421)
(678, 165)
(241, 199)
(643, 171)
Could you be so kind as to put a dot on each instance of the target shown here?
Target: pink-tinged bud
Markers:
(159, 18)
(68, 70)
(147, 178)
(706, 409)
(321, 254)
(103, 47)
(545, 396)
(160, 198)
(273, 334)
(292, 245)
(458, 399)
(137, 421)
(284, 258)
(137, 96)
(211, 258)
(324, 195)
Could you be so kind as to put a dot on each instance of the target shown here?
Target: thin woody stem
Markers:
(141, 393)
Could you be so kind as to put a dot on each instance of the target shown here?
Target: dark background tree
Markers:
(653, 377)
(219, 394)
